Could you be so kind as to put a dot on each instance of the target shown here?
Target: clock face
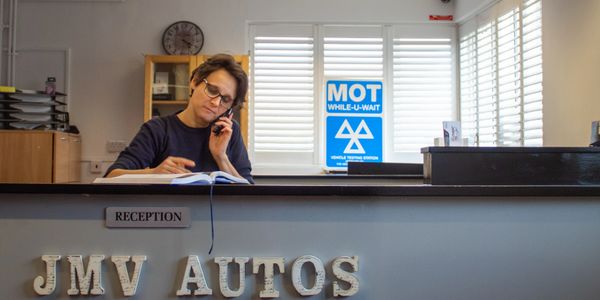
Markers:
(183, 38)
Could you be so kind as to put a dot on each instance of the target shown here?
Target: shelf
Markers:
(169, 102)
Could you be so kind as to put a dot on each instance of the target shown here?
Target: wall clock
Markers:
(183, 38)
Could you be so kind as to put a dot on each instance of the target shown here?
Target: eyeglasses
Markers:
(213, 92)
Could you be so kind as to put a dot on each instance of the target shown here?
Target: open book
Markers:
(187, 178)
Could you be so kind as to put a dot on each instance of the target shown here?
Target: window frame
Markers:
(283, 163)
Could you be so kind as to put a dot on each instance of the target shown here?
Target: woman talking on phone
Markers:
(202, 137)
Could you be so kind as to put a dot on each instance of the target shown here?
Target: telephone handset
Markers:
(217, 128)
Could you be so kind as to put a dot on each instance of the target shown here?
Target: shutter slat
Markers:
(422, 91)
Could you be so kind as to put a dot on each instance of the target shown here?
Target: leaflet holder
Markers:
(595, 138)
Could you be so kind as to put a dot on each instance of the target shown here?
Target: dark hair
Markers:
(227, 63)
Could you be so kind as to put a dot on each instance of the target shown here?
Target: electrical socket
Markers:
(113, 146)
(95, 166)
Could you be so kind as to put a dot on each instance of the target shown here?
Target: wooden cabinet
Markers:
(67, 157)
(167, 85)
(39, 157)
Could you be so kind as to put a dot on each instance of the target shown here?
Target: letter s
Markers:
(342, 275)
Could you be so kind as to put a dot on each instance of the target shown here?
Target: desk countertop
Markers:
(308, 189)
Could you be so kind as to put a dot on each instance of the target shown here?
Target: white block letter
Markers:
(337, 94)
(50, 276)
(223, 279)
(361, 95)
(129, 287)
(297, 275)
(373, 88)
(193, 265)
(342, 275)
(94, 270)
(269, 262)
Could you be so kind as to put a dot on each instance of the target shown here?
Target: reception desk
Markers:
(408, 240)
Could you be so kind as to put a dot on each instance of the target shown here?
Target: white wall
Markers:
(571, 53)
(466, 8)
(108, 40)
(390, 11)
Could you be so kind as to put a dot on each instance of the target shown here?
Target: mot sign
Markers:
(354, 97)
(354, 130)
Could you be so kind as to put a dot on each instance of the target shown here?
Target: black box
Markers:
(377, 168)
(511, 165)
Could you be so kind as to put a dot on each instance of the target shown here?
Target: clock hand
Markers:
(186, 41)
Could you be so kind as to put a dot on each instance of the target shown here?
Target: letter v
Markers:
(129, 287)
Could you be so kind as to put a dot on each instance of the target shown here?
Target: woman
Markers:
(202, 137)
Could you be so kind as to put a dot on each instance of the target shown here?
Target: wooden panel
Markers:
(175, 59)
(148, 71)
(244, 61)
(61, 157)
(74, 158)
(25, 157)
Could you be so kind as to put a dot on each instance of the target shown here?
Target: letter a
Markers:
(193, 265)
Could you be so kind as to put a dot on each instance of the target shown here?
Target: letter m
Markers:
(94, 270)
(337, 93)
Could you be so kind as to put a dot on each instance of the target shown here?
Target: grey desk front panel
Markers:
(408, 247)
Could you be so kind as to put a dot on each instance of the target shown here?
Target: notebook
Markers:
(187, 178)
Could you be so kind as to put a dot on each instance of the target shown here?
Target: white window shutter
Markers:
(503, 104)
(509, 79)
(486, 83)
(353, 57)
(350, 52)
(422, 91)
(468, 87)
(532, 73)
(283, 94)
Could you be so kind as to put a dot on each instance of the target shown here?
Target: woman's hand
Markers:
(174, 165)
(218, 143)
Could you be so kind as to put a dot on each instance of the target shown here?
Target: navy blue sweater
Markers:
(167, 136)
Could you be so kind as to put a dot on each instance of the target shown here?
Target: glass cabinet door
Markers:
(170, 82)
(167, 87)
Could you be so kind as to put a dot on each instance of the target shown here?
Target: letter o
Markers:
(297, 275)
(352, 94)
